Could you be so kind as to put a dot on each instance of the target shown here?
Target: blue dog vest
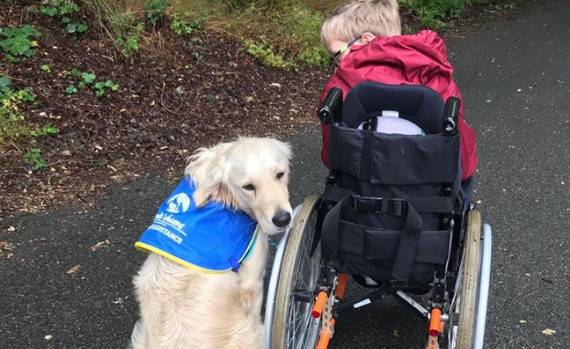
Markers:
(212, 238)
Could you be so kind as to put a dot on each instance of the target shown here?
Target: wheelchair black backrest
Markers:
(388, 192)
(419, 104)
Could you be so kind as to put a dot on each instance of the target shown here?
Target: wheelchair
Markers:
(395, 216)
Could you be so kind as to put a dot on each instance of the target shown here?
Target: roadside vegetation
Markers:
(278, 33)
(63, 60)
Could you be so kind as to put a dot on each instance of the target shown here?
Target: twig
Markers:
(15, 146)
(162, 102)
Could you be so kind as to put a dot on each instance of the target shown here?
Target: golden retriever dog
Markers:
(185, 308)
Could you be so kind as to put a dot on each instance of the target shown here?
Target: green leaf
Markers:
(71, 28)
(88, 78)
(50, 11)
(5, 83)
(71, 89)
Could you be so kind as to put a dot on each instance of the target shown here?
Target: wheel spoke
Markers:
(293, 326)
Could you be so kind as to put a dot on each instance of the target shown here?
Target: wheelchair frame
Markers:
(305, 287)
(471, 288)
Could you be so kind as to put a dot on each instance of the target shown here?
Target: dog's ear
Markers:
(206, 168)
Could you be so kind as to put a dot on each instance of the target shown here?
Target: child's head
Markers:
(353, 19)
(356, 17)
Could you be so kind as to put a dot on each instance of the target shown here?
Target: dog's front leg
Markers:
(251, 274)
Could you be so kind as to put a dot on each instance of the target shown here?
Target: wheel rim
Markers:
(464, 304)
(293, 326)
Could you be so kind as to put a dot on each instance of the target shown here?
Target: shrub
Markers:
(155, 10)
(432, 13)
(68, 12)
(266, 53)
(183, 22)
(18, 41)
(34, 157)
(11, 116)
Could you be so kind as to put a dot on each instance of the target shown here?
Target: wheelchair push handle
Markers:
(331, 109)
(450, 116)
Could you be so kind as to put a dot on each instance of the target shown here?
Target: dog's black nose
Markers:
(281, 219)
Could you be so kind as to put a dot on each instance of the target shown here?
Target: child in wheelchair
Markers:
(401, 159)
(365, 42)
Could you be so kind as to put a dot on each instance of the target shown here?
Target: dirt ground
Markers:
(174, 95)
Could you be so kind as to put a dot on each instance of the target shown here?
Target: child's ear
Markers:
(367, 37)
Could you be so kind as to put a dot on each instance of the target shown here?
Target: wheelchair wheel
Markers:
(465, 301)
(293, 327)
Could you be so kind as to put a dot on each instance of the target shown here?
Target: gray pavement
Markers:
(515, 79)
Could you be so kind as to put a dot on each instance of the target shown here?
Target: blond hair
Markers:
(353, 18)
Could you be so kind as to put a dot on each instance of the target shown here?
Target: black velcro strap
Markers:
(366, 157)
(438, 204)
(329, 232)
(408, 246)
(395, 207)
(334, 193)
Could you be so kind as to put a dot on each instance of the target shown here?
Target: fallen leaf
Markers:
(97, 246)
(5, 250)
(73, 270)
(548, 332)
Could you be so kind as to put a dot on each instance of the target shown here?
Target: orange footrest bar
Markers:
(435, 322)
(319, 304)
(325, 337)
(339, 292)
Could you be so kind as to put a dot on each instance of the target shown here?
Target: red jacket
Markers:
(419, 59)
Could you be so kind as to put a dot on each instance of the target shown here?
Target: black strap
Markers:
(365, 172)
(329, 232)
(408, 244)
(431, 204)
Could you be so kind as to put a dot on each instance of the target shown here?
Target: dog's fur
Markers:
(182, 308)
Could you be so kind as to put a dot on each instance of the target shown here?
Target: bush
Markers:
(432, 13)
(11, 116)
(18, 41)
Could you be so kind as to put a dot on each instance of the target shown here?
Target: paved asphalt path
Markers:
(515, 79)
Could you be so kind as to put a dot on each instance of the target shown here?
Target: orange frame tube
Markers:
(319, 304)
(325, 337)
(341, 287)
(435, 322)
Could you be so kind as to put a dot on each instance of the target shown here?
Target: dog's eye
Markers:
(249, 187)
(280, 175)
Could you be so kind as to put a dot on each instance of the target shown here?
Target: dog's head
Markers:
(250, 174)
